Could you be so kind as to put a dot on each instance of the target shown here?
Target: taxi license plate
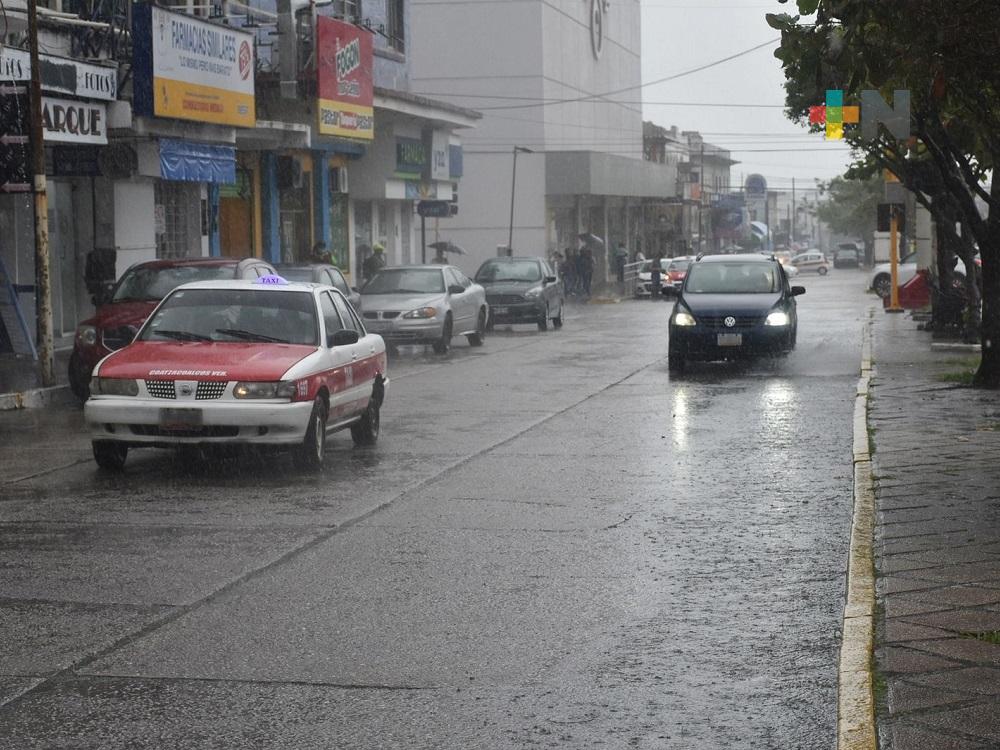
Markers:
(730, 339)
(180, 419)
(500, 310)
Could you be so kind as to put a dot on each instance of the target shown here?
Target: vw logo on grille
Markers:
(730, 321)
(186, 389)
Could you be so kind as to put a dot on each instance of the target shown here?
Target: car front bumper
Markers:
(520, 312)
(407, 331)
(703, 343)
(140, 421)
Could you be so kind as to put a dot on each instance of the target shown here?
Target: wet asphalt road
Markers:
(553, 545)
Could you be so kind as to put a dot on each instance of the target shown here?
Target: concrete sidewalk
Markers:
(937, 546)
(20, 384)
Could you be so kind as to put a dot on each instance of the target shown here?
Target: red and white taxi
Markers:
(265, 362)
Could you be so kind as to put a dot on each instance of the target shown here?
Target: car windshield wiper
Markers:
(237, 333)
(409, 291)
(179, 335)
(136, 299)
(519, 281)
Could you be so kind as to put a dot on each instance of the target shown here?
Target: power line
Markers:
(606, 94)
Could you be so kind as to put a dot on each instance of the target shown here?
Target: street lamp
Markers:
(513, 186)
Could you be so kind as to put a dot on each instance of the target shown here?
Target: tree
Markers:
(849, 206)
(946, 57)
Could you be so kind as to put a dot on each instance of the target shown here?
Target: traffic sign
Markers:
(434, 209)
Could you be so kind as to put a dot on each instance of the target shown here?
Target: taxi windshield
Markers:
(151, 284)
(233, 316)
(733, 278)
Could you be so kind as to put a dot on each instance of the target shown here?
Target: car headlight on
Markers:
(684, 318)
(533, 292)
(114, 387)
(421, 312)
(86, 335)
(777, 318)
(251, 389)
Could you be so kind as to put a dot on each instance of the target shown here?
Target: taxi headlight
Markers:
(683, 318)
(421, 312)
(533, 292)
(777, 318)
(86, 335)
(114, 387)
(251, 389)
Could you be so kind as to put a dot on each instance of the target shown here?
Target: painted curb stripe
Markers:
(855, 698)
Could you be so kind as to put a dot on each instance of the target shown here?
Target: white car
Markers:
(644, 278)
(425, 305)
(811, 261)
(264, 363)
(881, 277)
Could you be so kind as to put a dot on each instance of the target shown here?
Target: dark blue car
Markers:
(732, 307)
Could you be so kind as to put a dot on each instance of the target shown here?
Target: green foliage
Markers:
(849, 206)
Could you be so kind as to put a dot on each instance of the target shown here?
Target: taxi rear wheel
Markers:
(365, 431)
(110, 455)
(443, 344)
(310, 454)
(476, 339)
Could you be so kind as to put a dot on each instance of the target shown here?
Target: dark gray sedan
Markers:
(522, 290)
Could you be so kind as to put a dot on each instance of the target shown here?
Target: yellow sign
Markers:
(346, 120)
(192, 101)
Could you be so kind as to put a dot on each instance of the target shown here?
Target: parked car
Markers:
(732, 306)
(264, 363)
(880, 280)
(126, 305)
(320, 273)
(676, 271)
(811, 261)
(522, 290)
(846, 258)
(425, 305)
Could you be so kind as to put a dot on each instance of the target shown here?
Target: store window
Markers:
(178, 219)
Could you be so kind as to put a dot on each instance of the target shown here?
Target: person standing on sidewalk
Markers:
(655, 278)
(585, 270)
(621, 258)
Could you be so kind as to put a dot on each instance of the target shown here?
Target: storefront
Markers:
(75, 130)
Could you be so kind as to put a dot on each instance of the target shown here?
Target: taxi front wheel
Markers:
(110, 455)
(309, 455)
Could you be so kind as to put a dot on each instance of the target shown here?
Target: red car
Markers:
(134, 297)
(676, 272)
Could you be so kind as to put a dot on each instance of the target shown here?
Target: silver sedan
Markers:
(424, 305)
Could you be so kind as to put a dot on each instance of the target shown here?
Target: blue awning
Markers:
(197, 162)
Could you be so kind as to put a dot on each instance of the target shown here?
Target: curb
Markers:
(855, 697)
(35, 398)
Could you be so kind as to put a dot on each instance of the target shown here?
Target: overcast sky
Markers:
(678, 35)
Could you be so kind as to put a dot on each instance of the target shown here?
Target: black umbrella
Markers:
(447, 247)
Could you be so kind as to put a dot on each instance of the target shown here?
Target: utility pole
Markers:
(43, 288)
(701, 198)
(791, 224)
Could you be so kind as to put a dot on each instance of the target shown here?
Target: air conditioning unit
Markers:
(338, 179)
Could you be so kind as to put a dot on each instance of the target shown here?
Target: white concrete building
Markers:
(561, 79)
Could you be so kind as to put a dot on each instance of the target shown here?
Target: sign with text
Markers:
(60, 75)
(67, 121)
(434, 209)
(411, 156)
(344, 61)
(190, 69)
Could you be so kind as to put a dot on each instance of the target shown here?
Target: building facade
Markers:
(558, 153)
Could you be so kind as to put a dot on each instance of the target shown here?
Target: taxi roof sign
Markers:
(272, 279)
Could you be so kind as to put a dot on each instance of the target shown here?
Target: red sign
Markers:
(344, 79)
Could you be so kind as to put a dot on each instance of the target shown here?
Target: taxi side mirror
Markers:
(797, 290)
(343, 337)
(456, 289)
(550, 279)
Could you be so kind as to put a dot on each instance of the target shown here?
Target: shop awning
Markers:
(197, 162)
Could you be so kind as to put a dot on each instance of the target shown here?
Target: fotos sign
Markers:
(60, 75)
(344, 80)
(190, 69)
